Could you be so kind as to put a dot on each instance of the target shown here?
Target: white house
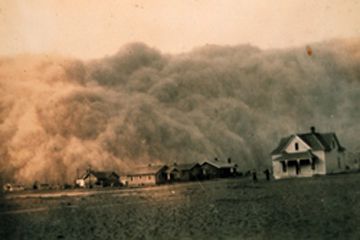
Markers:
(308, 154)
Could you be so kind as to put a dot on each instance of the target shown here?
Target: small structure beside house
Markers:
(218, 169)
(184, 172)
(308, 154)
(149, 175)
(41, 186)
(10, 187)
(98, 179)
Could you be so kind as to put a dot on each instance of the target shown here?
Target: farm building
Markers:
(308, 154)
(184, 172)
(10, 187)
(149, 175)
(218, 169)
(98, 179)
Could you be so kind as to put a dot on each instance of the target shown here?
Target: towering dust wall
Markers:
(138, 106)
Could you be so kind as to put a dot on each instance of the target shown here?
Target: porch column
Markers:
(298, 166)
(313, 166)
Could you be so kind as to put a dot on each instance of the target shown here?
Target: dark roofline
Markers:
(100, 174)
(284, 142)
(319, 137)
(220, 165)
(341, 148)
(153, 172)
(184, 166)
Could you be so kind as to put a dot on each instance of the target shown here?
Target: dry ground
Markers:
(315, 208)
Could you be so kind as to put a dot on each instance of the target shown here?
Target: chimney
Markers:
(229, 160)
(312, 129)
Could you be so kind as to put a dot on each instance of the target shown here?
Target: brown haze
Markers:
(138, 106)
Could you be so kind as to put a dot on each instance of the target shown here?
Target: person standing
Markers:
(267, 174)
(254, 177)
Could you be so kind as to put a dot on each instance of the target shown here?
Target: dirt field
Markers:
(316, 208)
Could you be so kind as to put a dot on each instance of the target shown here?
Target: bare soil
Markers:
(314, 208)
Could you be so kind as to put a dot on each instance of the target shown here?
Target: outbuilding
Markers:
(98, 179)
(184, 172)
(218, 169)
(148, 175)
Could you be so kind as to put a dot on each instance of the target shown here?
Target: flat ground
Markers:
(314, 208)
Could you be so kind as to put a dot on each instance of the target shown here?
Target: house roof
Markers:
(100, 174)
(282, 145)
(219, 164)
(295, 156)
(312, 140)
(146, 170)
(327, 139)
(316, 141)
(183, 167)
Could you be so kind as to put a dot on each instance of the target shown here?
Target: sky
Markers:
(92, 29)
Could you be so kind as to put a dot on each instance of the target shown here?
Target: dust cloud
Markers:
(141, 106)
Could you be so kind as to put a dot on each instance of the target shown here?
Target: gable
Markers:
(100, 175)
(296, 144)
(207, 165)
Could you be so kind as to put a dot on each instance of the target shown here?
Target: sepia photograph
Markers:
(179, 119)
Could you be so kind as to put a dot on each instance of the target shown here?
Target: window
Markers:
(296, 146)
(131, 178)
(149, 177)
